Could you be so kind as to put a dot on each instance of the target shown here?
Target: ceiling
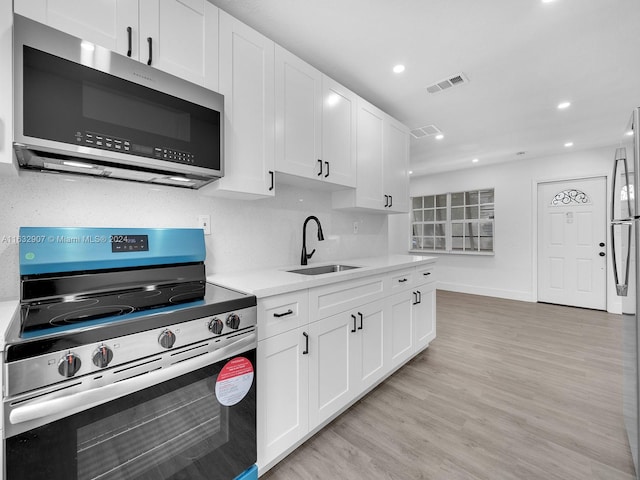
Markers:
(522, 58)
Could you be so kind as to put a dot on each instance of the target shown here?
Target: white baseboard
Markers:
(487, 292)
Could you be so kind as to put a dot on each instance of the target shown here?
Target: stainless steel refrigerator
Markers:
(625, 240)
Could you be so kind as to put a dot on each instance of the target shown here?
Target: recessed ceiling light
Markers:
(548, 1)
(410, 172)
(475, 160)
(629, 133)
(439, 136)
(398, 68)
(568, 144)
(563, 105)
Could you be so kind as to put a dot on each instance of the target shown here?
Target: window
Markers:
(453, 222)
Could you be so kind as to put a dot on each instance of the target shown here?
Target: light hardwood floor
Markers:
(508, 390)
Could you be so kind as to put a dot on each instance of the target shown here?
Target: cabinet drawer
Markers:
(282, 313)
(400, 280)
(425, 274)
(331, 299)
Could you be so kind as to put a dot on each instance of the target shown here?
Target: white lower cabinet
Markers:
(321, 349)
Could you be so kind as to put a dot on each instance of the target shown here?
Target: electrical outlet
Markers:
(204, 222)
(355, 228)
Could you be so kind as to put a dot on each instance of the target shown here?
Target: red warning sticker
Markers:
(234, 381)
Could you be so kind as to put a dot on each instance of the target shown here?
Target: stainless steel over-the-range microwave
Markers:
(81, 108)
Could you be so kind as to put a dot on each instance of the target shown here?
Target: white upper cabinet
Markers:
(246, 81)
(315, 123)
(382, 159)
(396, 166)
(177, 36)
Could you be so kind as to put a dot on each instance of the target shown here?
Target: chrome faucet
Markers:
(305, 256)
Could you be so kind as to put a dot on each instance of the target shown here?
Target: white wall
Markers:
(511, 272)
(245, 234)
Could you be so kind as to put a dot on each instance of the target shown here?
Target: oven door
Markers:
(196, 425)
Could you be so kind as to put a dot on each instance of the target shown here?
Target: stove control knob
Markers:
(69, 365)
(233, 321)
(102, 356)
(167, 339)
(216, 326)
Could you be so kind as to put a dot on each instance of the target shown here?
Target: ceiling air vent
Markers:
(426, 131)
(452, 81)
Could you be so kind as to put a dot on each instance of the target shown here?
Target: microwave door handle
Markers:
(150, 43)
(621, 288)
(129, 30)
(78, 402)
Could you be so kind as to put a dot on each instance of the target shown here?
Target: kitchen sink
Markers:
(322, 269)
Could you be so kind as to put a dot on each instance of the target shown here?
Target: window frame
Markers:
(467, 207)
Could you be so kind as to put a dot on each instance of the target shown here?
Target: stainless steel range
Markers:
(124, 362)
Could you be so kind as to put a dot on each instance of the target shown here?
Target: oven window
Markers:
(177, 430)
(185, 424)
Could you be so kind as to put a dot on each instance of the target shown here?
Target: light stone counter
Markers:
(275, 281)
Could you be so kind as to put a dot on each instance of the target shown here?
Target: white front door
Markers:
(571, 243)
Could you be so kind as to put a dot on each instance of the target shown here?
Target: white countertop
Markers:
(277, 280)
(7, 311)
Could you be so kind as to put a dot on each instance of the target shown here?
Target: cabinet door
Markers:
(103, 22)
(298, 116)
(424, 316)
(396, 165)
(247, 82)
(401, 328)
(330, 366)
(282, 416)
(369, 193)
(184, 39)
(371, 361)
(338, 133)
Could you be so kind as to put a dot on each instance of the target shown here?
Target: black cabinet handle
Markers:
(419, 296)
(326, 174)
(390, 200)
(415, 298)
(129, 39)
(386, 201)
(278, 315)
(150, 42)
(320, 162)
(361, 320)
(306, 343)
(354, 324)
(426, 274)
(271, 174)
(402, 280)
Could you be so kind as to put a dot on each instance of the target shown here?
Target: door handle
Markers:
(306, 343)
(150, 42)
(320, 172)
(361, 317)
(354, 324)
(129, 40)
(601, 244)
(602, 254)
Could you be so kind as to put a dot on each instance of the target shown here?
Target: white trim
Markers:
(521, 295)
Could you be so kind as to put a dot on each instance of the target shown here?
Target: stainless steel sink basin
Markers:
(322, 269)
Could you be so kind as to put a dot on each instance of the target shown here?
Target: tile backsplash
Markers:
(244, 234)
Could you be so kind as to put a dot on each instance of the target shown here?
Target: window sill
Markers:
(451, 252)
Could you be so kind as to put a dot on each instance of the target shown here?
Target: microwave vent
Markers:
(426, 131)
(449, 82)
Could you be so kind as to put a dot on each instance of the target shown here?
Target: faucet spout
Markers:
(305, 256)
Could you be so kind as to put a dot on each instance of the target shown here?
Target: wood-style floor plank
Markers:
(508, 390)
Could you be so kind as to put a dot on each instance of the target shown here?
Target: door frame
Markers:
(613, 303)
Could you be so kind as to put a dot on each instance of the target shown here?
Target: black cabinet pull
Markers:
(306, 343)
(271, 174)
(390, 200)
(150, 42)
(326, 174)
(354, 324)
(402, 280)
(129, 39)
(419, 296)
(426, 274)
(361, 322)
(415, 298)
(386, 201)
(278, 315)
(320, 162)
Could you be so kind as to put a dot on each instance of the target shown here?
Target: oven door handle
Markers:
(78, 402)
